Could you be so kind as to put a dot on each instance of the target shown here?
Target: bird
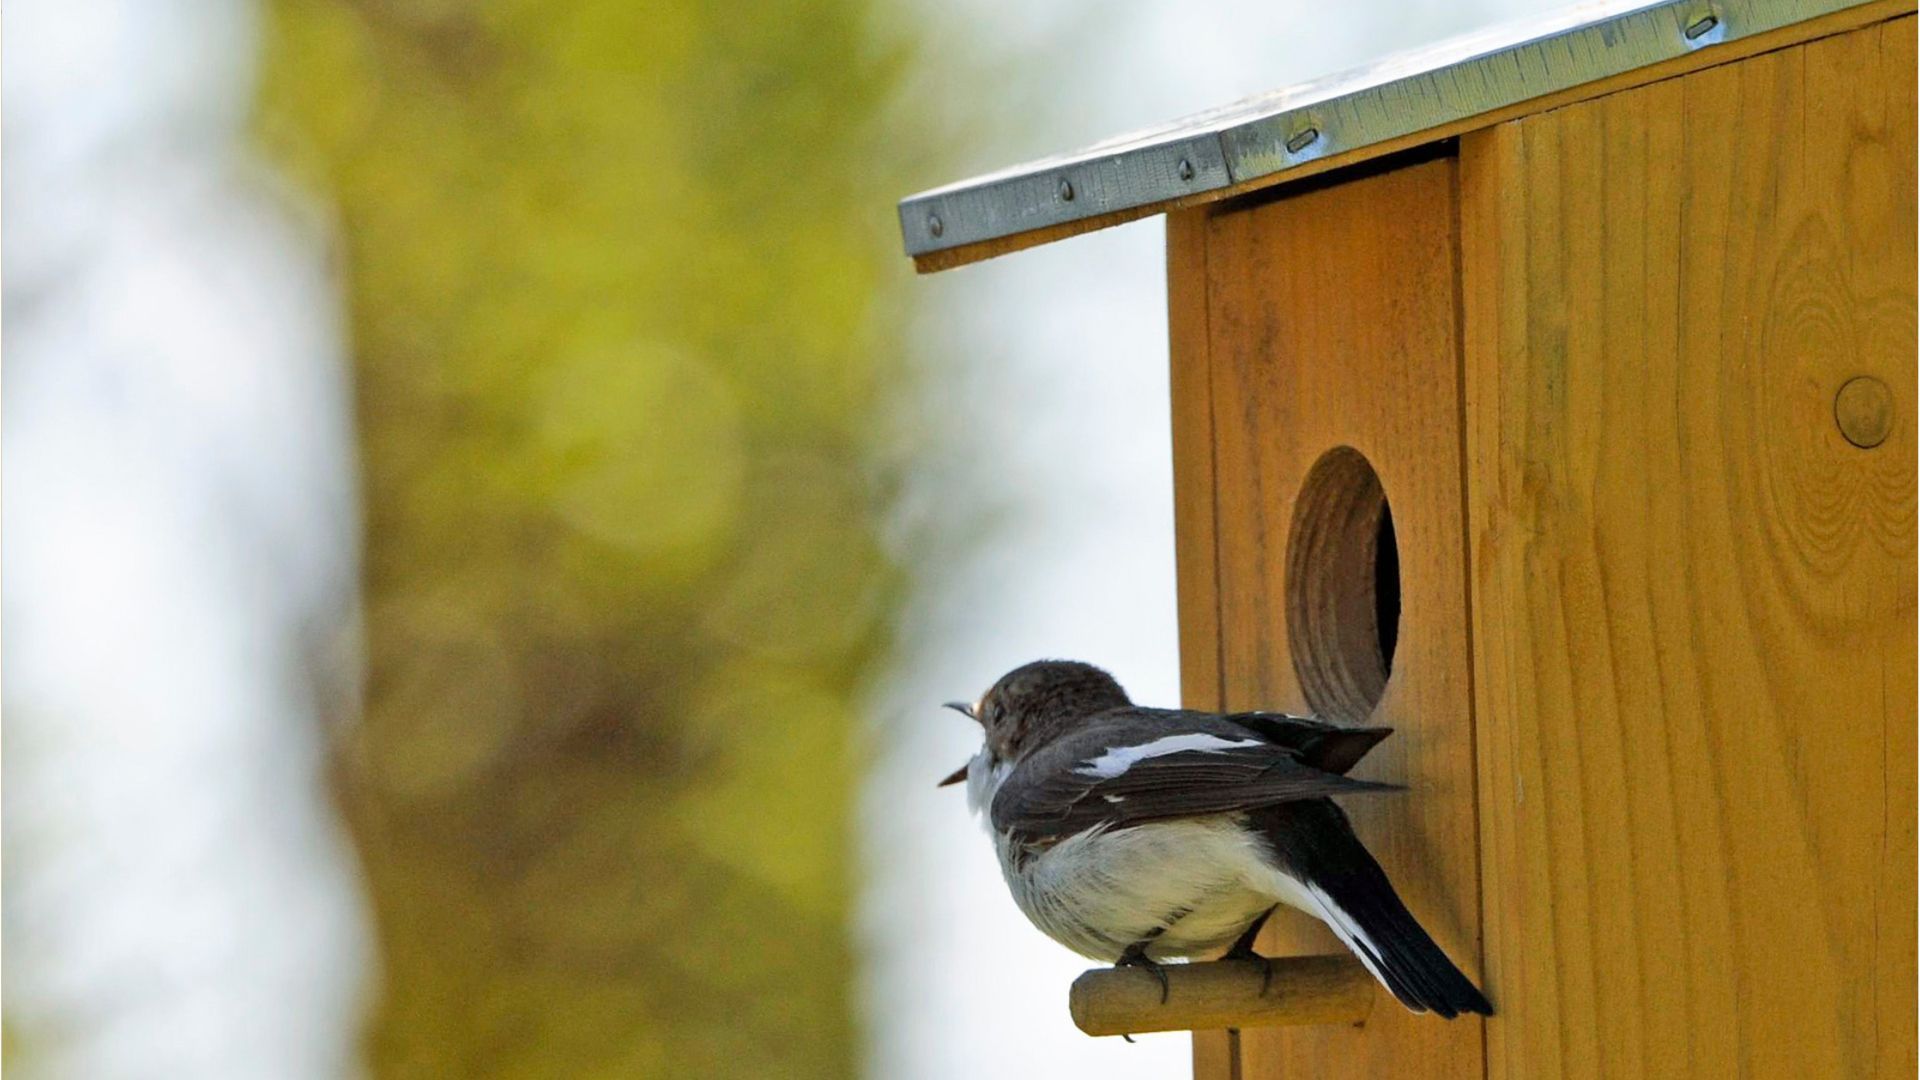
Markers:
(1136, 835)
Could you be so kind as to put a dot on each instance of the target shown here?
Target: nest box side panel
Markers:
(1330, 320)
(1690, 385)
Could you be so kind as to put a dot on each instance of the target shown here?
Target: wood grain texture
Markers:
(1221, 994)
(1216, 1054)
(1694, 600)
(1332, 321)
(1786, 36)
(1191, 390)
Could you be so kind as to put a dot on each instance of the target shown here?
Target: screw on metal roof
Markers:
(1231, 147)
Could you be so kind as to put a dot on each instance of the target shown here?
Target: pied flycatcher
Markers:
(1134, 835)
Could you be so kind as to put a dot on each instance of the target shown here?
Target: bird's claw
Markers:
(1265, 962)
(1266, 972)
(1243, 950)
(1136, 956)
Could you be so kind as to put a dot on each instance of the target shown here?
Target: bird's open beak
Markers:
(966, 710)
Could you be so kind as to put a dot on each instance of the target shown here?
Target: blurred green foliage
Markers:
(622, 281)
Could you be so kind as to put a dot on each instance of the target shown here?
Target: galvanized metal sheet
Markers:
(1402, 95)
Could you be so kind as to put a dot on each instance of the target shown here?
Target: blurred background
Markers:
(490, 514)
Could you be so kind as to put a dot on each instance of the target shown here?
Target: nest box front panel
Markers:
(1322, 539)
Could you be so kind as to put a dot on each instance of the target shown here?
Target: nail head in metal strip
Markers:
(1399, 98)
(934, 225)
(1066, 191)
(1186, 169)
(1302, 139)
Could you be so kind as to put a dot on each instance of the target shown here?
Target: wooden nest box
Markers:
(1550, 397)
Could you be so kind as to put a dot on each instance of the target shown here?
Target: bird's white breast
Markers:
(1197, 881)
(984, 777)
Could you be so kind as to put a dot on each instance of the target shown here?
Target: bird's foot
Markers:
(1243, 950)
(1136, 956)
(1266, 964)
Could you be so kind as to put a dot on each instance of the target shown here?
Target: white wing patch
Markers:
(1121, 758)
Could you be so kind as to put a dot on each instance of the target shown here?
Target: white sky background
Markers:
(1054, 395)
(181, 536)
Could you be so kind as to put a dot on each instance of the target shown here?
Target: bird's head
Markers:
(1032, 703)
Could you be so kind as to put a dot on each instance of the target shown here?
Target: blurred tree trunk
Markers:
(620, 293)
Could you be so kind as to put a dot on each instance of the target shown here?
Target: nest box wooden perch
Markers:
(1222, 994)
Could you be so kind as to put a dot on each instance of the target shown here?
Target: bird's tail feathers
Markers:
(1358, 902)
(1399, 952)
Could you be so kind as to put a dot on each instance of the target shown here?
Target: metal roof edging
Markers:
(1399, 96)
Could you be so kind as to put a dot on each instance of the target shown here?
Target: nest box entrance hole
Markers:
(1343, 587)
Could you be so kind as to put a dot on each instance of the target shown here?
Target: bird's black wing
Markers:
(1143, 768)
(1328, 747)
